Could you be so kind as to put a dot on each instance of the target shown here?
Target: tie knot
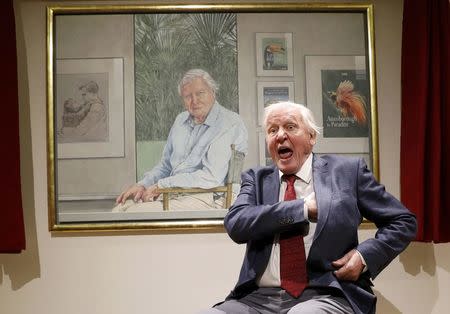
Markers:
(289, 178)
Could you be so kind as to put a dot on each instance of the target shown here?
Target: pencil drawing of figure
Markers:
(84, 121)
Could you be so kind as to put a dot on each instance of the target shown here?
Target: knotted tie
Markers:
(292, 253)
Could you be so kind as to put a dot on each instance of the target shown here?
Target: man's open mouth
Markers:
(284, 152)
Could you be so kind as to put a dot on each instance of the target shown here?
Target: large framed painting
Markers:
(153, 110)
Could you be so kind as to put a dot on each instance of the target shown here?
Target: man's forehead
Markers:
(283, 114)
(195, 82)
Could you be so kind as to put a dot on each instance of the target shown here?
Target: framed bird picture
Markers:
(274, 54)
(338, 93)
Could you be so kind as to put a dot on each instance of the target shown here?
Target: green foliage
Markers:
(168, 45)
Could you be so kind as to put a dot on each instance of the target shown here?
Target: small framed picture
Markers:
(264, 155)
(272, 92)
(274, 55)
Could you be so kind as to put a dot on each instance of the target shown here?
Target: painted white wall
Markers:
(179, 273)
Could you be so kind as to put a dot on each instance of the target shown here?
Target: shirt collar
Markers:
(305, 172)
(210, 118)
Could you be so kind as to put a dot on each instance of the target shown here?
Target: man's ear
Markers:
(312, 138)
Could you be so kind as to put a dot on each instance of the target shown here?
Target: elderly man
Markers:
(198, 148)
(299, 219)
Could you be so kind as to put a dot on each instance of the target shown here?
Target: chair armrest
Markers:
(166, 191)
(192, 190)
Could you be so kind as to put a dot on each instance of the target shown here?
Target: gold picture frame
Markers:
(68, 37)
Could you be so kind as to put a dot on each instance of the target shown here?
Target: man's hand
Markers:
(150, 194)
(136, 191)
(349, 266)
(311, 203)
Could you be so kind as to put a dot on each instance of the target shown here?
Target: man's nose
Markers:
(281, 135)
(195, 99)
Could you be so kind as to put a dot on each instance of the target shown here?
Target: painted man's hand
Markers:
(135, 191)
(151, 193)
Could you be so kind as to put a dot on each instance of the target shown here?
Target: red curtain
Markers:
(425, 134)
(12, 233)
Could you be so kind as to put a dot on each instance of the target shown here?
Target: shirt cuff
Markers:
(305, 210)
(164, 183)
(363, 261)
(145, 182)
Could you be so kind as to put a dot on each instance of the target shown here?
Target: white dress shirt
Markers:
(303, 189)
(197, 155)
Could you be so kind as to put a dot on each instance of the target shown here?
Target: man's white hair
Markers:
(193, 74)
(304, 113)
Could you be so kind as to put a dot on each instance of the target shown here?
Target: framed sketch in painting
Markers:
(89, 108)
(274, 54)
(338, 93)
(127, 71)
(272, 92)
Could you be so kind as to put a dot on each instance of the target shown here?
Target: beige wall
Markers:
(179, 273)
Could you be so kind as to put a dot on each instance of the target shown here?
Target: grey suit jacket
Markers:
(346, 191)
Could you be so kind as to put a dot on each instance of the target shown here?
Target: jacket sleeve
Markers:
(248, 220)
(396, 224)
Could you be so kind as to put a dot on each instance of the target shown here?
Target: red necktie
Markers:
(292, 253)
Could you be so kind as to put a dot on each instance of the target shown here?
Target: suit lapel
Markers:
(271, 187)
(323, 190)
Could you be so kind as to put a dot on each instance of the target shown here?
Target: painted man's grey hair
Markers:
(304, 113)
(193, 74)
